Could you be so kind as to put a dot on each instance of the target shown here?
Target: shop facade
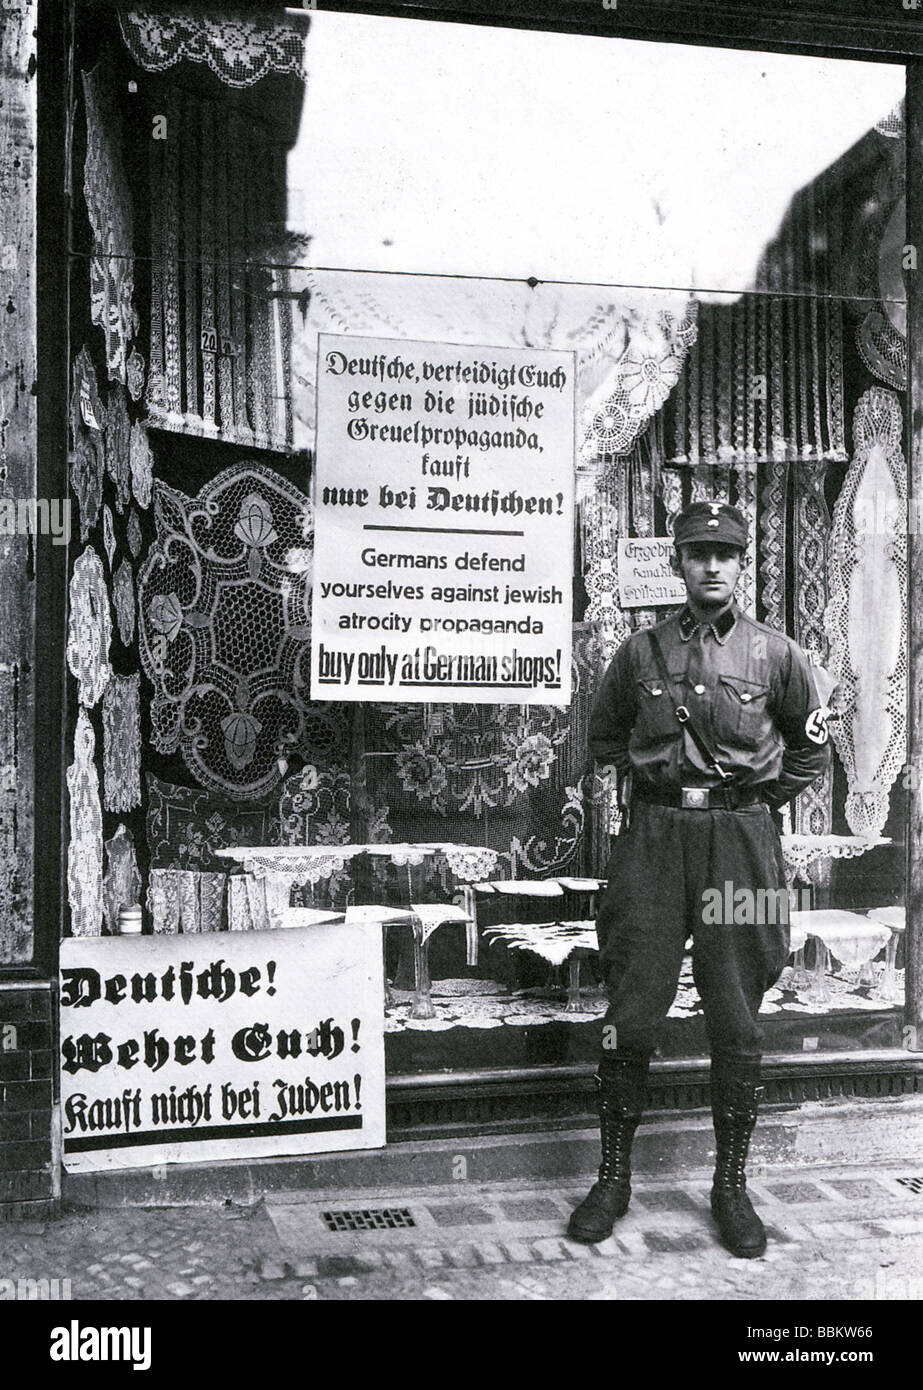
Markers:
(173, 737)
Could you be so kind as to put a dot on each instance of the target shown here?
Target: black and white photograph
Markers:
(461, 667)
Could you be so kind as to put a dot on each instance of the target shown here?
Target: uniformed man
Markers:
(714, 721)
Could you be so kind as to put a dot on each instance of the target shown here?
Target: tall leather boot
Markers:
(621, 1086)
(735, 1093)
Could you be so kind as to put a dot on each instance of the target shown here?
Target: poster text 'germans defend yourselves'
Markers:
(443, 549)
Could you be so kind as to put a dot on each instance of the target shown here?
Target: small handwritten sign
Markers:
(645, 577)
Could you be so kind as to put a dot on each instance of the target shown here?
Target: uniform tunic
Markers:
(751, 694)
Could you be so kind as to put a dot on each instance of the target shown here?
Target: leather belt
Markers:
(698, 798)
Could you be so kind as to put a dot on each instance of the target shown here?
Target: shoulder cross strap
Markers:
(683, 714)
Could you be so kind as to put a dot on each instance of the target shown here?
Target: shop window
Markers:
(718, 239)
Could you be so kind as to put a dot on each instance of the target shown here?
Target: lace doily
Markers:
(122, 882)
(883, 349)
(118, 447)
(134, 374)
(239, 48)
(224, 629)
(108, 535)
(122, 743)
(87, 459)
(289, 865)
(85, 847)
(141, 465)
(133, 532)
(123, 601)
(468, 863)
(89, 628)
(109, 207)
(185, 900)
(867, 618)
(645, 375)
(879, 248)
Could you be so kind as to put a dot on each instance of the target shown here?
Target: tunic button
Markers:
(658, 691)
(699, 689)
(744, 696)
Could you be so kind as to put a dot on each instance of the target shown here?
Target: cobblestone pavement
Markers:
(834, 1234)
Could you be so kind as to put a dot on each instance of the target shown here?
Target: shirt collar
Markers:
(720, 628)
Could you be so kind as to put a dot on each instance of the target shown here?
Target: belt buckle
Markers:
(695, 798)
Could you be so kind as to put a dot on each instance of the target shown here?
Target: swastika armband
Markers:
(815, 726)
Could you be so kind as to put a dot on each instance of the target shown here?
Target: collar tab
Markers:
(688, 624)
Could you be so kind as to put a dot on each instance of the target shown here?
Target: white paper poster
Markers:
(179, 1049)
(443, 548)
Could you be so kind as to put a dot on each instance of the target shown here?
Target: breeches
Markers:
(673, 875)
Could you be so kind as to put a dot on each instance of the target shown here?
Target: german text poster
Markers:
(178, 1049)
(443, 548)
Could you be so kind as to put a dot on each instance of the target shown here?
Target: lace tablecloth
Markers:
(555, 942)
(895, 918)
(270, 872)
(852, 937)
(800, 851)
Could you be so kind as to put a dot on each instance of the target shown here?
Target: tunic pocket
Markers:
(656, 713)
(741, 716)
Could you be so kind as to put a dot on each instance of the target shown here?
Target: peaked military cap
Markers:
(710, 521)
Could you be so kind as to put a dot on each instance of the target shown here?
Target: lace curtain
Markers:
(239, 47)
(867, 617)
(110, 210)
(221, 318)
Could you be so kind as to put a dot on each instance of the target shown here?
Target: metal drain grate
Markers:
(384, 1219)
(915, 1185)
